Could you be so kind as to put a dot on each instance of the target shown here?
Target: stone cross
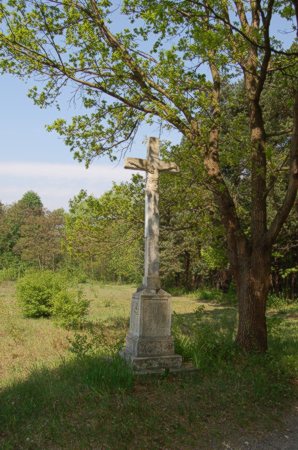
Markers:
(152, 166)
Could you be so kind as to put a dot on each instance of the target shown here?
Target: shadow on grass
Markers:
(95, 402)
(207, 337)
(219, 318)
(44, 406)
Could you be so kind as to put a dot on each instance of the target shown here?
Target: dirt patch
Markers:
(283, 437)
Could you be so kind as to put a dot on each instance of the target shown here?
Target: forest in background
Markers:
(102, 238)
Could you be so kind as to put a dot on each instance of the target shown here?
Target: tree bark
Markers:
(252, 278)
(249, 258)
(187, 279)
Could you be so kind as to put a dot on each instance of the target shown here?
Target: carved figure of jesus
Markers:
(152, 166)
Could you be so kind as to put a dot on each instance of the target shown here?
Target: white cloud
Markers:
(56, 183)
(62, 171)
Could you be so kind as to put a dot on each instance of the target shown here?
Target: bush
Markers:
(277, 301)
(35, 292)
(217, 295)
(70, 308)
(210, 294)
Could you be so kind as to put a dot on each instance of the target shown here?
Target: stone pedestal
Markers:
(149, 344)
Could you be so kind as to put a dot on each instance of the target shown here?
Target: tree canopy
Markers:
(30, 234)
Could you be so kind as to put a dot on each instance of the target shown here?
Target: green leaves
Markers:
(157, 68)
(105, 235)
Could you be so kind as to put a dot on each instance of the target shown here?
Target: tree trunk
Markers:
(253, 283)
(187, 281)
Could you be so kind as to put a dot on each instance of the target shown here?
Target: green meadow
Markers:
(69, 389)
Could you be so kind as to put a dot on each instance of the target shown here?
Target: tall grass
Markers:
(89, 398)
(207, 338)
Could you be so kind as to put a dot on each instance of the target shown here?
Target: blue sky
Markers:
(33, 159)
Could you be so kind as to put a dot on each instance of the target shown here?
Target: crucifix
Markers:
(149, 343)
(152, 166)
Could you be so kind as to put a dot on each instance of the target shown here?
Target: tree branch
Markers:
(225, 19)
(139, 76)
(291, 193)
(237, 242)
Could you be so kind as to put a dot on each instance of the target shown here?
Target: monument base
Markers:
(149, 344)
(153, 364)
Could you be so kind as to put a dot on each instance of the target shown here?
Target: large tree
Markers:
(169, 63)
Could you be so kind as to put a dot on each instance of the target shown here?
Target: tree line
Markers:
(102, 238)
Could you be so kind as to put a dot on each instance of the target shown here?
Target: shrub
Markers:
(213, 294)
(209, 294)
(35, 292)
(277, 301)
(70, 308)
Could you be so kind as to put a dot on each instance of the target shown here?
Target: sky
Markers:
(33, 159)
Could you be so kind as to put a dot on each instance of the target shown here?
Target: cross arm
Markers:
(136, 164)
(167, 167)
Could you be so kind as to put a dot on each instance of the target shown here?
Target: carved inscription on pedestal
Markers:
(156, 318)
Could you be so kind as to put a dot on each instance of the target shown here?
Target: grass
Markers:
(63, 389)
